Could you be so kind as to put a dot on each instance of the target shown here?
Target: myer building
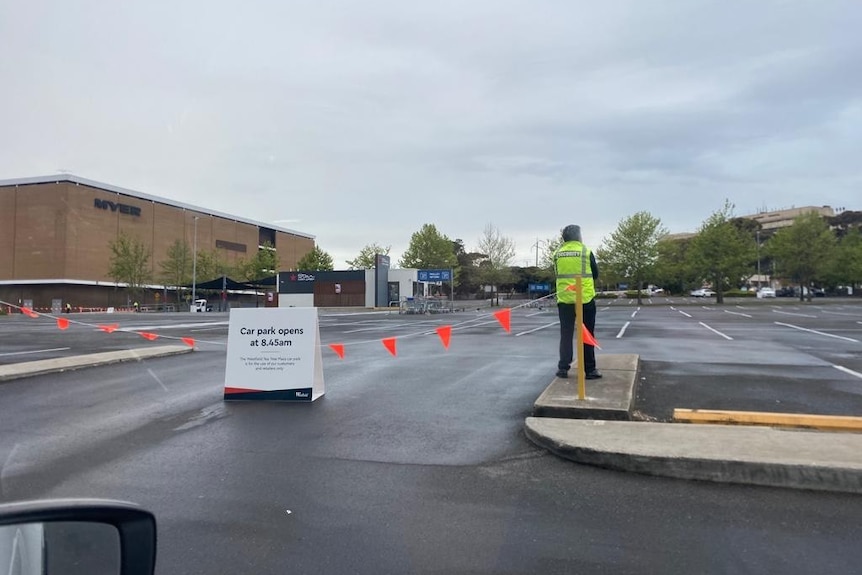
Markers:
(56, 231)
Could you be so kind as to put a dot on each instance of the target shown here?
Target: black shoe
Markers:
(562, 373)
(595, 374)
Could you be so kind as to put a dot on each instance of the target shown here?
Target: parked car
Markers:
(765, 292)
(786, 292)
(702, 292)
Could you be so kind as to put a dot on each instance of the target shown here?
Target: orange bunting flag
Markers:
(445, 333)
(148, 335)
(504, 316)
(62, 323)
(29, 312)
(338, 348)
(389, 343)
(111, 328)
(588, 337)
(189, 341)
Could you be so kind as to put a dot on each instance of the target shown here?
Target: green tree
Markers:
(429, 249)
(129, 262)
(549, 248)
(210, 265)
(848, 259)
(631, 251)
(673, 271)
(467, 282)
(365, 260)
(802, 251)
(721, 252)
(845, 221)
(176, 268)
(498, 251)
(315, 260)
(263, 264)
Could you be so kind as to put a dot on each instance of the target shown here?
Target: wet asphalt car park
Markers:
(418, 463)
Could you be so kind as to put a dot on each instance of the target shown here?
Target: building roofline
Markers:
(141, 195)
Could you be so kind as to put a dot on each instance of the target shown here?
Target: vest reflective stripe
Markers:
(569, 259)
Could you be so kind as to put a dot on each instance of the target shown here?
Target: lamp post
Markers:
(757, 239)
(195, 264)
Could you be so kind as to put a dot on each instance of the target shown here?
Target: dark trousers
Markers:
(567, 335)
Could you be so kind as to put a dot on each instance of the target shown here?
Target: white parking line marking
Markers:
(736, 313)
(472, 325)
(715, 331)
(172, 326)
(796, 314)
(6, 465)
(849, 371)
(156, 377)
(388, 326)
(817, 332)
(35, 351)
(683, 313)
(841, 313)
(635, 312)
(378, 328)
(623, 330)
(537, 328)
(360, 313)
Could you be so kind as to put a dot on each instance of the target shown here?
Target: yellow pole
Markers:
(579, 337)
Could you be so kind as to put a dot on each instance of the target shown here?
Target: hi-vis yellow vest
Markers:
(571, 260)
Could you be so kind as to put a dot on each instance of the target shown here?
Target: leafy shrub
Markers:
(634, 293)
(738, 293)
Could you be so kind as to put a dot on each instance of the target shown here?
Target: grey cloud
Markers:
(347, 115)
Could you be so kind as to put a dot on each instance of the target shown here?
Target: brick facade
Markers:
(55, 238)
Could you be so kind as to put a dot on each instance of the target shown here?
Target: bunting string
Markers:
(502, 316)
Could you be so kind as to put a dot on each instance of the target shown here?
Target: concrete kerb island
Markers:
(60, 364)
(597, 431)
(611, 397)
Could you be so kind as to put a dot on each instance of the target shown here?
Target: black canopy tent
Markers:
(270, 281)
(223, 282)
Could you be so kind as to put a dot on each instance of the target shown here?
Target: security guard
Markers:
(572, 259)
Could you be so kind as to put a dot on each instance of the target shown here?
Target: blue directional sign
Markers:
(435, 275)
(538, 287)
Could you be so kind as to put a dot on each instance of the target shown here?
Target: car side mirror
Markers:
(76, 537)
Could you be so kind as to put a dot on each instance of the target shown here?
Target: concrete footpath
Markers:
(59, 364)
(599, 431)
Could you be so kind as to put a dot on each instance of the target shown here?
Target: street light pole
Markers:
(759, 277)
(195, 265)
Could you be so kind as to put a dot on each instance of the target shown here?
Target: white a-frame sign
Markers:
(274, 354)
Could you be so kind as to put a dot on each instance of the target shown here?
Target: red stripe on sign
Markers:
(229, 390)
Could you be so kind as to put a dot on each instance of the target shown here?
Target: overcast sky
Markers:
(359, 121)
